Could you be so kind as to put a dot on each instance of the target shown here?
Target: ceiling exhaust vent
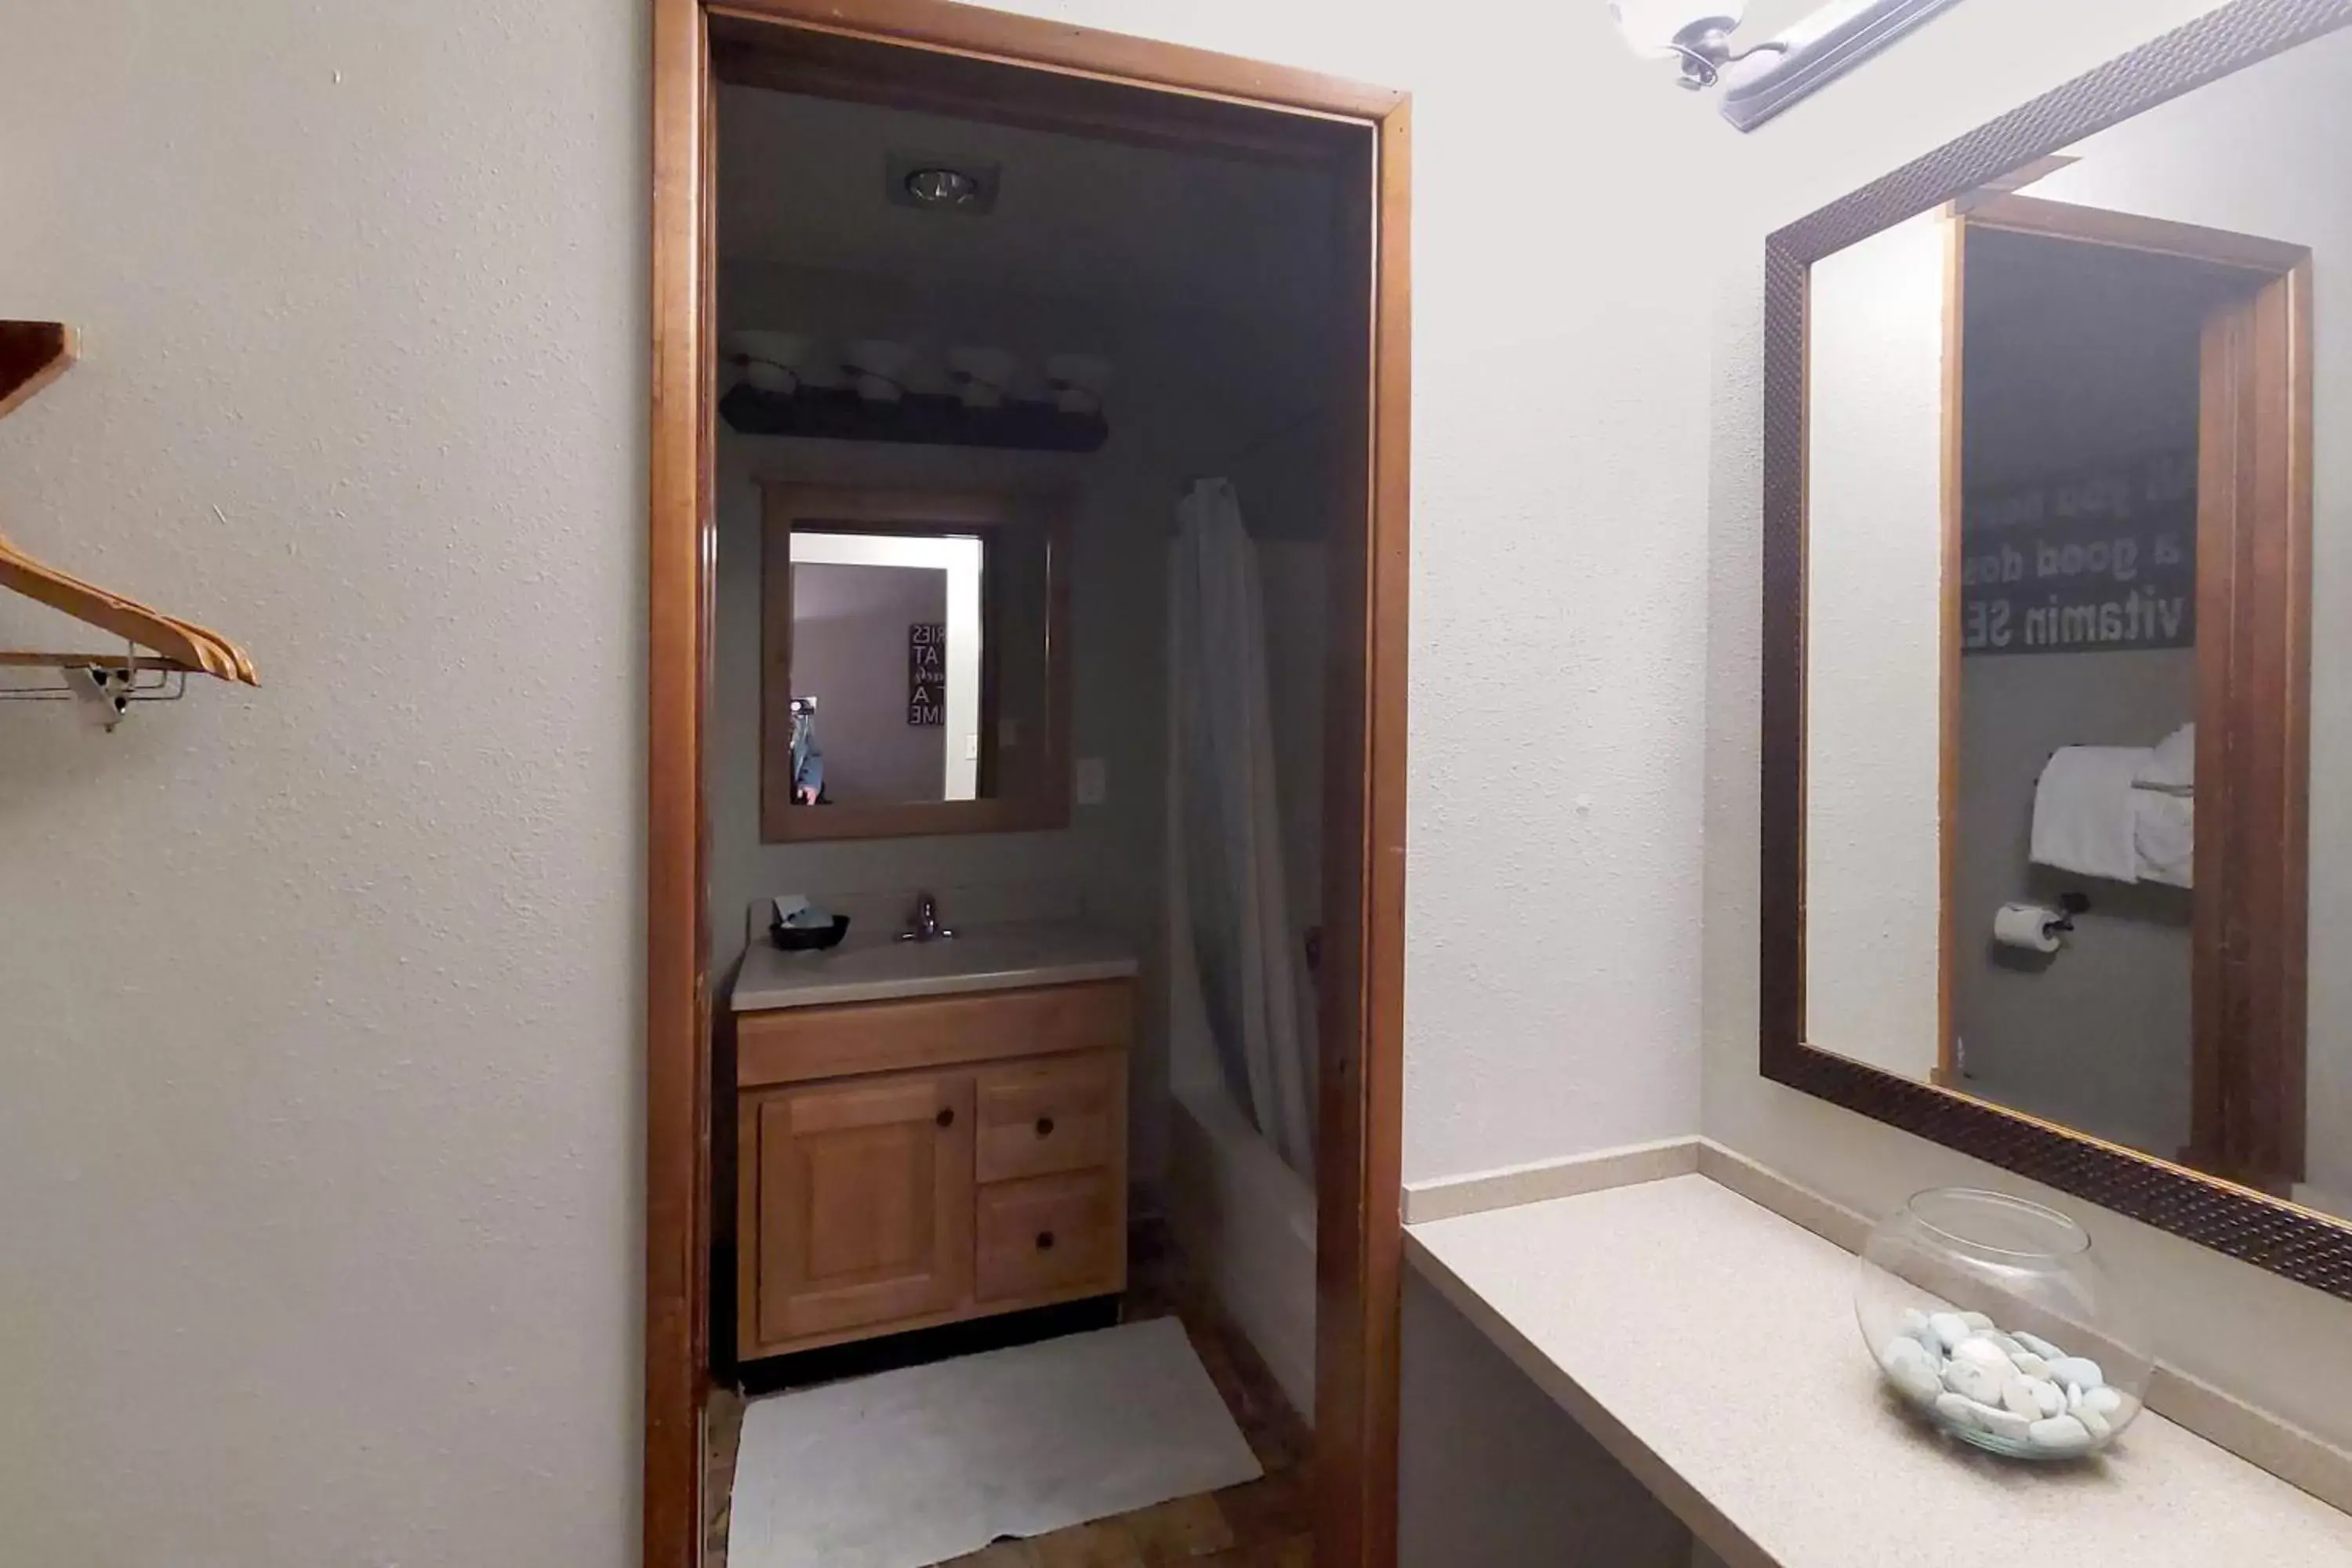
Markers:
(940, 183)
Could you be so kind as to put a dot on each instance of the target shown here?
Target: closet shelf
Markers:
(33, 354)
(926, 419)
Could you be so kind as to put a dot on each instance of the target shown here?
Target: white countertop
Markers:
(873, 966)
(1710, 1344)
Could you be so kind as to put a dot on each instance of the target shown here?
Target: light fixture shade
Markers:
(1653, 28)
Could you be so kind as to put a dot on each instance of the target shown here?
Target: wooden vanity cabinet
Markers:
(977, 1164)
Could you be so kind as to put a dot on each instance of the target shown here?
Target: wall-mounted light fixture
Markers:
(1765, 77)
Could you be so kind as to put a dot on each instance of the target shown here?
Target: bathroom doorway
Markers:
(963, 63)
(2127, 412)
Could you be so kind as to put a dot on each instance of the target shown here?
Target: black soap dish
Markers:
(808, 939)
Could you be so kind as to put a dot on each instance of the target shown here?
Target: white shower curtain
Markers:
(1226, 899)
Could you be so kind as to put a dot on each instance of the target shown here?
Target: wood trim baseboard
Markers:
(677, 936)
(1540, 1180)
(1116, 59)
(2131, 231)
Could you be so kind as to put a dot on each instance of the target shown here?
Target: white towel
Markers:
(2164, 837)
(2164, 810)
(2173, 762)
(2084, 812)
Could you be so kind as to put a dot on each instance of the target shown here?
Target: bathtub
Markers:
(1247, 1221)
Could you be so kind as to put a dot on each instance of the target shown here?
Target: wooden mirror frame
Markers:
(995, 516)
(2286, 1238)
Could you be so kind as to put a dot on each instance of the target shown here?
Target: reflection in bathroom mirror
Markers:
(909, 681)
(886, 648)
(2078, 636)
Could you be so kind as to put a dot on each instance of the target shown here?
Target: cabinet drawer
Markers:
(1059, 1113)
(1051, 1235)
(796, 1044)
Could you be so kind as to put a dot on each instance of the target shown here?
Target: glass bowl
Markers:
(1988, 1316)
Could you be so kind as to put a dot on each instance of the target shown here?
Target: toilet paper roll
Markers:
(2033, 927)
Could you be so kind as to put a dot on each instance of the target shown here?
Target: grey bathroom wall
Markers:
(2077, 359)
(1191, 391)
(2096, 1036)
(849, 642)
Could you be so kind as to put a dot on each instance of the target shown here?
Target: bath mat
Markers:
(915, 1467)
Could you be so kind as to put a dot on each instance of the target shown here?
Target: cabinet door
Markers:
(862, 1199)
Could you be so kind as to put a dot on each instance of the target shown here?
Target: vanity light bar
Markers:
(1815, 52)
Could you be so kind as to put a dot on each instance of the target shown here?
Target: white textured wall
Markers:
(1991, 56)
(322, 1242)
(1874, 647)
(320, 1004)
(322, 1239)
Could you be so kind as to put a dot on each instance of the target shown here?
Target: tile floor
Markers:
(1261, 1525)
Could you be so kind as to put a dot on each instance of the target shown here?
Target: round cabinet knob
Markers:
(1045, 1241)
(1045, 1127)
(946, 1118)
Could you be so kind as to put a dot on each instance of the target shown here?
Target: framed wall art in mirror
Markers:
(914, 663)
(2058, 641)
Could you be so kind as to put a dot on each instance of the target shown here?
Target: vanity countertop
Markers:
(1710, 1345)
(876, 967)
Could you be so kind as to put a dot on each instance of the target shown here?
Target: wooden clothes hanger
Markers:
(33, 354)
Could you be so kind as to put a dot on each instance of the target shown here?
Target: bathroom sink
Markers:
(875, 967)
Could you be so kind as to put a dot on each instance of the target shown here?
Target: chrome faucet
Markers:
(923, 925)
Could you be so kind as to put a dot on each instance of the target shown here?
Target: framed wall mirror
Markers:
(915, 663)
(2058, 641)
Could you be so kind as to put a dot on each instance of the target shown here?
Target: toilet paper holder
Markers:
(2069, 906)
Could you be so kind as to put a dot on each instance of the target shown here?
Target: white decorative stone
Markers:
(1983, 1352)
(1911, 1368)
(2060, 1434)
(1977, 1381)
(2017, 1387)
(2003, 1424)
(1948, 1330)
(2079, 1370)
(2103, 1401)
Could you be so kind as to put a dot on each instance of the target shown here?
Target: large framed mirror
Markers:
(2058, 641)
(915, 673)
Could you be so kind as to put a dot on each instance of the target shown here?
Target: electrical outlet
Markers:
(1094, 781)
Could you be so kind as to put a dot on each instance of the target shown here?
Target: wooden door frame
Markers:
(2249, 928)
(959, 58)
